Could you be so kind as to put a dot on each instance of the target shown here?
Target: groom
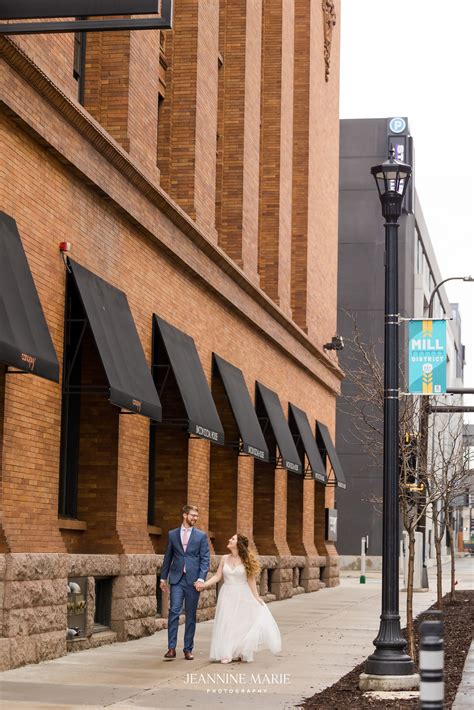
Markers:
(186, 561)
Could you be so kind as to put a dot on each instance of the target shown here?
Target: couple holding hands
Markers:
(243, 623)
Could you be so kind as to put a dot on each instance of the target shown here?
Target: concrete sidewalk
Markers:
(324, 634)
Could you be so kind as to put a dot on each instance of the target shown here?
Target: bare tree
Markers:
(426, 484)
(448, 478)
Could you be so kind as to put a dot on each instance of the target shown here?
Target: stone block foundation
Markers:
(36, 606)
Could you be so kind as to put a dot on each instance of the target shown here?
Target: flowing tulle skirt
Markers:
(242, 625)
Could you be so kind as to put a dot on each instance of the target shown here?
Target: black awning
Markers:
(116, 337)
(276, 418)
(25, 341)
(203, 419)
(300, 426)
(253, 441)
(327, 449)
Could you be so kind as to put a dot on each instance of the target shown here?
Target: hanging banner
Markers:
(427, 357)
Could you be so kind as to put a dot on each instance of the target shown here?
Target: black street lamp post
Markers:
(389, 657)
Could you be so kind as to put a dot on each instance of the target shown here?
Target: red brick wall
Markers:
(171, 460)
(276, 150)
(237, 181)
(107, 82)
(98, 458)
(323, 181)
(264, 508)
(170, 481)
(189, 122)
(54, 54)
(245, 497)
(61, 186)
(3, 542)
(294, 514)
(299, 237)
(319, 518)
(132, 484)
(224, 463)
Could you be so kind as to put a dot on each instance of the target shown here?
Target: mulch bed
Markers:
(458, 628)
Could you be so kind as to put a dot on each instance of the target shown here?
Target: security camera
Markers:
(337, 343)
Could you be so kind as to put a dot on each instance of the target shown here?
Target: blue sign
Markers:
(427, 357)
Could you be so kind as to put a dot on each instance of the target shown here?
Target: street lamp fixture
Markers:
(436, 289)
(389, 657)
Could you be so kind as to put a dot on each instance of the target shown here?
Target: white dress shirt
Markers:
(190, 532)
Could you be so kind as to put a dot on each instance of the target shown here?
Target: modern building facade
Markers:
(364, 143)
(171, 350)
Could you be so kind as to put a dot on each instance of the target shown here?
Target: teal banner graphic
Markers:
(427, 357)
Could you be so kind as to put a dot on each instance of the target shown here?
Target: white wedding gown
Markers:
(241, 625)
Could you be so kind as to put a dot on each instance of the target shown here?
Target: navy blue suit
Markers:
(196, 561)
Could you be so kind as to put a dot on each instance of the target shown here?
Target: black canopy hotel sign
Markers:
(44, 9)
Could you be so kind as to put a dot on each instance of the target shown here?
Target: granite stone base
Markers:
(35, 601)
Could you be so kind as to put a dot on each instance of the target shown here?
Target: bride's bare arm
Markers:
(217, 576)
(252, 582)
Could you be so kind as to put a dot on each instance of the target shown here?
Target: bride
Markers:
(243, 623)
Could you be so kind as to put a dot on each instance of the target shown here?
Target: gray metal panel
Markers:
(359, 217)
(361, 276)
(363, 137)
(357, 515)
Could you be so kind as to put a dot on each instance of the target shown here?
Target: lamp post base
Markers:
(389, 662)
(369, 681)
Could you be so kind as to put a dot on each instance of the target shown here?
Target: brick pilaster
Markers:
(245, 497)
(198, 479)
(300, 278)
(323, 182)
(281, 485)
(239, 131)
(294, 513)
(132, 484)
(276, 150)
(189, 116)
(121, 90)
(308, 517)
(30, 464)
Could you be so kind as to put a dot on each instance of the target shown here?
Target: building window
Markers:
(89, 424)
(79, 63)
(103, 603)
(459, 362)
(419, 255)
(161, 100)
(71, 404)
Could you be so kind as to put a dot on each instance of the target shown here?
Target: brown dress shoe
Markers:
(188, 656)
(170, 653)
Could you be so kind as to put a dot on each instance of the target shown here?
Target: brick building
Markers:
(195, 174)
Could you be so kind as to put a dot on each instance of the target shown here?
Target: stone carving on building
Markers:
(329, 22)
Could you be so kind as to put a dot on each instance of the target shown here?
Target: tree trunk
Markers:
(452, 546)
(410, 575)
(439, 573)
(439, 567)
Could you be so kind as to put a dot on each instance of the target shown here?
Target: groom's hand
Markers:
(199, 586)
(163, 585)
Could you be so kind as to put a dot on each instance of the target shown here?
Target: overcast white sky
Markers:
(415, 58)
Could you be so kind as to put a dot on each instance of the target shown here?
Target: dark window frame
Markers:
(103, 603)
(79, 66)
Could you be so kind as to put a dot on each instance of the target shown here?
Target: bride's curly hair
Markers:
(248, 557)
